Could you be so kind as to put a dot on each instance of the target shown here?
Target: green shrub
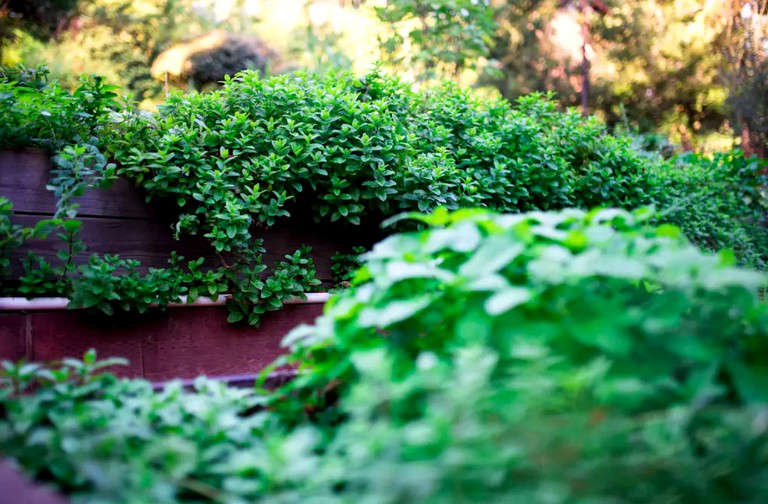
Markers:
(351, 148)
(546, 357)
(719, 202)
(38, 112)
(541, 358)
(105, 440)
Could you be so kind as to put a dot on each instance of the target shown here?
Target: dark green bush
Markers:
(542, 358)
(719, 202)
(351, 148)
(38, 112)
(343, 148)
(105, 440)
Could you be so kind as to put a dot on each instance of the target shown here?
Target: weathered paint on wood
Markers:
(13, 336)
(160, 345)
(117, 220)
(16, 488)
(24, 174)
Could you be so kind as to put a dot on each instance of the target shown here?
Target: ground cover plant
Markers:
(336, 148)
(568, 357)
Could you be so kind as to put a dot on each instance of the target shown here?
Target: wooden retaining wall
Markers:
(118, 220)
(176, 343)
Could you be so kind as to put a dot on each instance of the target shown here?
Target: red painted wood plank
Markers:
(25, 173)
(117, 221)
(13, 327)
(16, 488)
(199, 341)
(176, 343)
(151, 242)
(60, 334)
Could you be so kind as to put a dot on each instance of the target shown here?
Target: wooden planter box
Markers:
(180, 342)
(177, 343)
(117, 220)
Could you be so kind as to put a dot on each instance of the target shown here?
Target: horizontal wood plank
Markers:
(151, 242)
(13, 336)
(118, 221)
(24, 175)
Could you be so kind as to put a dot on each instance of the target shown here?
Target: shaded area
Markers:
(206, 60)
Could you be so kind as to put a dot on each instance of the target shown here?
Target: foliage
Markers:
(344, 266)
(541, 358)
(76, 126)
(444, 37)
(14, 235)
(345, 148)
(746, 73)
(351, 148)
(253, 297)
(546, 357)
(659, 59)
(38, 112)
(719, 202)
(670, 62)
(111, 283)
(44, 18)
(108, 440)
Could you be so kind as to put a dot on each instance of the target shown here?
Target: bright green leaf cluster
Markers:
(107, 440)
(566, 357)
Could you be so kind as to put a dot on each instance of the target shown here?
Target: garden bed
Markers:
(181, 342)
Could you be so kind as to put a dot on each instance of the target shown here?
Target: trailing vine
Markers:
(72, 127)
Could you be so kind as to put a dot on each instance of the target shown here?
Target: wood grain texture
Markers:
(60, 334)
(160, 345)
(13, 330)
(199, 341)
(25, 173)
(118, 221)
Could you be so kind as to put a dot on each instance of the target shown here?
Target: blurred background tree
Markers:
(43, 19)
(745, 50)
(692, 71)
(436, 39)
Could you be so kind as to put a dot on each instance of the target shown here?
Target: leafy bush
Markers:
(107, 440)
(719, 202)
(351, 148)
(547, 357)
(38, 112)
(563, 357)
(355, 149)
(348, 149)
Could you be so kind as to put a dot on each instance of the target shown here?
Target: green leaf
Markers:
(494, 254)
(393, 312)
(507, 299)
